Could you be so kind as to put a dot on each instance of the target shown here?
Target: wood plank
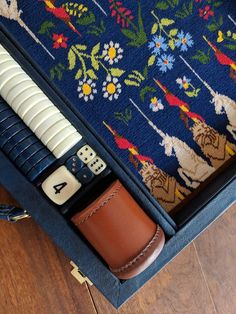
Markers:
(179, 288)
(217, 254)
(35, 275)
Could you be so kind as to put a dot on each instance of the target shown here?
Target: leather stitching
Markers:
(141, 255)
(107, 200)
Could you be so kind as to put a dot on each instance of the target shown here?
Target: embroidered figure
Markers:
(223, 104)
(213, 145)
(60, 13)
(165, 188)
(211, 141)
(193, 169)
(9, 10)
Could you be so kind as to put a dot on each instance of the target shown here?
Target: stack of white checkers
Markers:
(52, 128)
(35, 108)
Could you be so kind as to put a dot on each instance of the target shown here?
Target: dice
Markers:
(86, 153)
(97, 165)
(74, 164)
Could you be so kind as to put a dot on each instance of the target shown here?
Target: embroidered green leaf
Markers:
(151, 60)
(139, 75)
(78, 74)
(81, 47)
(162, 5)
(217, 4)
(46, 27)
(202, 57)
(166, 22)
(144, 91)
(116, 72)
(57, 71)
(124, 117)
(190, 94)
(154, 28)
(197, 91)
(92, 74)
(95, 63)
(173, 32)
(86, 19)
(185, 11)
(97, 30)
(214, 26)
(171, 44)
(231, 47)
(131, 83)
(128, 33)
(72, 59)
(145, 72)
(95, 49)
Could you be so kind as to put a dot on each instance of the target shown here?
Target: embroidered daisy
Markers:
(112, 52)
(165, 62)
(156, 104)
(87, 89)
(157, 44)
(184, 41)
(183, 82)
(111, 88)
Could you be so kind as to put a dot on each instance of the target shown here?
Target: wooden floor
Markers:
(35, 276)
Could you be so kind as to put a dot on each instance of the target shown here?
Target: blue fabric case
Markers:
(205, 207)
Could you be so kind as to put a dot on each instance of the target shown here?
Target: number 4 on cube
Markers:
(60, 186)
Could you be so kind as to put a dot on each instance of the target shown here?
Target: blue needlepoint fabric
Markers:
(156, 79)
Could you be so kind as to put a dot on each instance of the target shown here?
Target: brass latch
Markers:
(78, 275)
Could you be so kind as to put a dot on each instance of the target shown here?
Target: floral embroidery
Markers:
(185, 83)
(184, 41)
(59, 41)
(157, 44)
(87, 89)
(156, 104)
(206, 12)
(112, 52)
(111, 88)
(165, 62)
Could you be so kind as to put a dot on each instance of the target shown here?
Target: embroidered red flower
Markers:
(59, 41)
(198, 1)
(206, 12)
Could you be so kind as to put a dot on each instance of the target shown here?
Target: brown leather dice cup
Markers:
(121, 232)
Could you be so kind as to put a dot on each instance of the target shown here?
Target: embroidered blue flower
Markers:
(156, 104)
(183, 82)
(165, 62)
(184, 41)
(157, 44)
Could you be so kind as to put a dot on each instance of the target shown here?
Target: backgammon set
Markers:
(118, 127)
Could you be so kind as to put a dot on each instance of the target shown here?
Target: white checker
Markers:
(86, 154)
(4, 57)
(24, 96)
(42, 116)
(97, 165)
(15, 89)
(54, 129)
(8, 65)
(29, 102)
(7, 76)
(35, 110)
(67, 144)
(60, 137)
(47, 123)
(60, 186)
(2, 49)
